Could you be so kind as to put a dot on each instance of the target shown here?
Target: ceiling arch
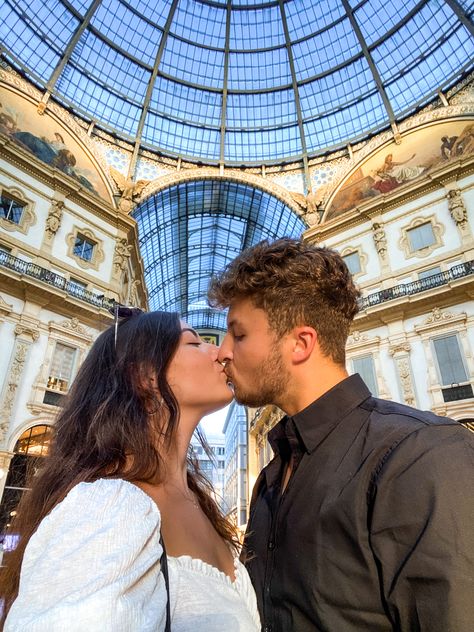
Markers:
(191, 230)
(264, 184)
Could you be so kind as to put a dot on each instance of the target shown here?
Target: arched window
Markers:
(31, 445)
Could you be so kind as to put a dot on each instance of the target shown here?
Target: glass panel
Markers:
(450, 362)
(421, 236)
(62, 366)
(364, 366)
(353, 262)
(424, 274)
(190, 231)
(11, 209)
(83, 248)
(34, 441)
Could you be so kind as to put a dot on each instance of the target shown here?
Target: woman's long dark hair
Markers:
(108, 428)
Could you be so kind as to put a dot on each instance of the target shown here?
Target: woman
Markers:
(118, 472)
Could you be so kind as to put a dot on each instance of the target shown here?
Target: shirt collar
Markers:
(316, 421)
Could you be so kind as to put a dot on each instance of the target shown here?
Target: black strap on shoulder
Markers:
(164, 570)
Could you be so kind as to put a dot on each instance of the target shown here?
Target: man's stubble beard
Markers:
(270, 383)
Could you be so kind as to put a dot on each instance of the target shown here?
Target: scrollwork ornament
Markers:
(24, 330)
(16, 370)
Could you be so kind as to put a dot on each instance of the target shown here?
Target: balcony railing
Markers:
(55, 280)
(415, 287)
(61, 283)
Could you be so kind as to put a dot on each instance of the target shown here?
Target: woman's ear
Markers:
(304, 339)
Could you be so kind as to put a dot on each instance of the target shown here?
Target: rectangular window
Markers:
(421, 236)
(62, 366)
(83, 247)
(450, 361)
(11, 209)
(424, 274)
(352, 261)
(364, 366)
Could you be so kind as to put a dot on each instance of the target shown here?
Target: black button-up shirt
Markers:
(375, 529)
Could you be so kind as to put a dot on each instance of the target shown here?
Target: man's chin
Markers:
(252, 400)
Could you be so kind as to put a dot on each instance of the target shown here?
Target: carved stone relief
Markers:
(121, 255)
(53, 221)
(19, 355)
(400, 350)
(380, 240)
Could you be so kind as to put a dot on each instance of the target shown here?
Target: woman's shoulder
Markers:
(105, 501)
(96, 517)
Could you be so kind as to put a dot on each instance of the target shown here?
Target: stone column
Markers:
(400, 351)
(25, 335)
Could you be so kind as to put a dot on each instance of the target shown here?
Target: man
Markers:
(364, 518)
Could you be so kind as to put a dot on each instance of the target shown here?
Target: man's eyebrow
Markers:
(192, 331)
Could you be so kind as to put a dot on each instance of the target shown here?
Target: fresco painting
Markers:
(48, 141)
(396, 165)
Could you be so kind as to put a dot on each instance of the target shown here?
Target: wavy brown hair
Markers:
(108, 428)
(295, 283)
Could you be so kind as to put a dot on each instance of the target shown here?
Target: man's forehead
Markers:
(243, 310)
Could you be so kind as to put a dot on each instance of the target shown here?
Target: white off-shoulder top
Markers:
(93, 565)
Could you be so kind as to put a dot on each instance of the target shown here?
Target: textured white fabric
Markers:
(94, 565)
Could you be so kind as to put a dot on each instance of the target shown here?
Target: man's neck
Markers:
(308, 386)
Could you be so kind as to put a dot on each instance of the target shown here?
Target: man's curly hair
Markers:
(295, 283)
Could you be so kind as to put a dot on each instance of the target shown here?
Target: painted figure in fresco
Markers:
(447, 144)
(399, 170)
(53, 152)
(7, 123)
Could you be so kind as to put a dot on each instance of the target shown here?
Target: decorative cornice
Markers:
(401, 347)
(71, 327)
(440, 319)
(26, 331)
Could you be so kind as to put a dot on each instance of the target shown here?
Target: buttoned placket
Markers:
(272, 542)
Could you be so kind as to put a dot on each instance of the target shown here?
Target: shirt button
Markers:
(267, 628)
(271, 545)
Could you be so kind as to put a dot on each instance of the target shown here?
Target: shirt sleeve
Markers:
(94, 564)
(422, 534)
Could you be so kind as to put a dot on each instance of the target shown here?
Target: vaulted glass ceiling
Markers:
(192, 230)
(240, 81)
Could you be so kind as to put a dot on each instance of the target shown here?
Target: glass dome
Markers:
(240, 81)
(192, 230)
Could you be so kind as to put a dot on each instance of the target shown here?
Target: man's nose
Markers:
(225, 350)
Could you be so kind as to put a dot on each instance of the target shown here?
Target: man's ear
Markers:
(303, 339)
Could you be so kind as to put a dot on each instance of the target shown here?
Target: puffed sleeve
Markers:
(422, 531)
(94, 564)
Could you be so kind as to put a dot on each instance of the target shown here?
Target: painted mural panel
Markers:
(48, 140)
(395, 165)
